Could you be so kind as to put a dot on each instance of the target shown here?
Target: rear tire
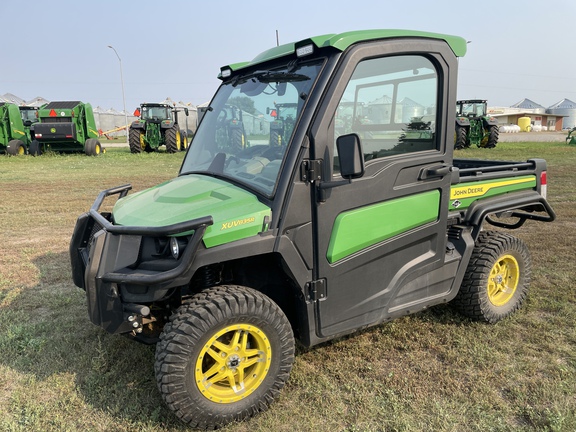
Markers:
(173, 139)
(135, 141)
(224, 356)
(460, 138)
(493, 135)
(16, 148)
(497, 278)
(184, 136)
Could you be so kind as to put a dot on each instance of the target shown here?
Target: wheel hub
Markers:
(233, 363)
(503, 280)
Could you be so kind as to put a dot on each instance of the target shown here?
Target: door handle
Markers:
(435, 171)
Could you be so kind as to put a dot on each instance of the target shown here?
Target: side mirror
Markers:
(350, 156)
(186, 111)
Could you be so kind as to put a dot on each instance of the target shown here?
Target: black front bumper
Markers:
(104, 259)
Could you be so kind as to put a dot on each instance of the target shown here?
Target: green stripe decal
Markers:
(361, 228)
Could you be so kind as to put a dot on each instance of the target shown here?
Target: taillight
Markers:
(543, 184)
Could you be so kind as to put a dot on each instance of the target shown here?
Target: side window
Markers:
(390, 103)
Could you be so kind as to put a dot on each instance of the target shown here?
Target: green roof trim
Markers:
(344, 40)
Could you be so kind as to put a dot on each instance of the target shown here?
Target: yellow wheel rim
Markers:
(233, 363)
(178, 141)
(503, 280)
(142, 142)
(21, 150)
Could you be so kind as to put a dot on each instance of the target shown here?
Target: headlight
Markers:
(174, 247)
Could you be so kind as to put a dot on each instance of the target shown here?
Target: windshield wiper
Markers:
(270, 77)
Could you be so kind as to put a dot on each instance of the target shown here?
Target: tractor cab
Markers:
(471, 108)
(29, 115)
(155, 113)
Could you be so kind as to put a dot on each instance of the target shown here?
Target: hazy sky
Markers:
(59, 49)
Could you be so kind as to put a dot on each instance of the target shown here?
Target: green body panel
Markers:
(237, 214)
(91, 129)
(344, 40)
(361, 228)
(464, 194)
(11, 126)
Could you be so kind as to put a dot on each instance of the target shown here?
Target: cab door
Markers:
(380, 241)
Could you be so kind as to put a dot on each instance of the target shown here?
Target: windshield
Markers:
(155, 113)
(246, 130)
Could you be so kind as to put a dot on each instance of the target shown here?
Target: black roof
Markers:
(62, 105)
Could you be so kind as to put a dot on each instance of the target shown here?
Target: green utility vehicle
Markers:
(247, 249)
(157, 126)
(66, 127)
(14, 136)
(474, 125)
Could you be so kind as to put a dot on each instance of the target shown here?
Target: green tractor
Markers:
(157, 126)
(14, 137)
(231, 128)
(284, 115)
(67, 127)
(474, 126)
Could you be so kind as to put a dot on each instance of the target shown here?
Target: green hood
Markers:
(237, 214)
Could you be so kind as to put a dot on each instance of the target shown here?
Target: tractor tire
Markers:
(173, 139)
(135, 141)
(92, 147)
(461, 138)
(497, 278)
(35, 148)
(237, 140)
(224, 356)
(16, 148)
(184, 136)
(493, 135)
(275, 139)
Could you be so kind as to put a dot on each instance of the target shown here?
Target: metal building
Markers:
(565, 108)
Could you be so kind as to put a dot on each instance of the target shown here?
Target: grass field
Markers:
(430, 371)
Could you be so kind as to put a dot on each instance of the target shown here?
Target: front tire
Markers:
(135, 141)
(497, 278)
(224, 356)
(173, 139)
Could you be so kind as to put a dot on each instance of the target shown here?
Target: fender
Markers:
(490, 121)
(521, 205)
(138, 125)
(166, 125)
(462, 121)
